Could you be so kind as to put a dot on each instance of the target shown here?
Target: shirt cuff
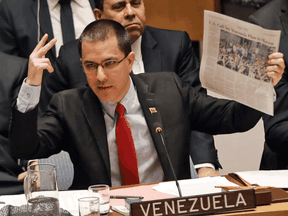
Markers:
(198, 166)
(28, 97)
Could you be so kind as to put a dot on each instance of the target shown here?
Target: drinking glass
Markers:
(102, 192)
(41, 190)
(88, 206)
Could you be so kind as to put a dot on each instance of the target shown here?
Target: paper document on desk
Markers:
(121, 209)
(274, 178)
(68, 200)
(15, 200)
(191, 187)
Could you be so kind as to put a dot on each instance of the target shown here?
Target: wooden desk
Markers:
(273, 209)
(279, 209)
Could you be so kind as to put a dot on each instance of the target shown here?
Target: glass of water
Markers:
(88, 206)
(41, 190)
(102, 192)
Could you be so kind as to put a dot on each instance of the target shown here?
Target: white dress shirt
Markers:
(138, 65)
(82, 16)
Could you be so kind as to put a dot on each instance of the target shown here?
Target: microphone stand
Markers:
(159, 130)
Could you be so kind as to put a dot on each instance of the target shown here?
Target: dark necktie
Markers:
(67, 25)
(126, 149)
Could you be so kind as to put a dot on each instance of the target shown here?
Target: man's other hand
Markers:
(207, 171)
(22, 175)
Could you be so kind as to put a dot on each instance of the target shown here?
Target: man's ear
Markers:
(131, 58)
(97, 14)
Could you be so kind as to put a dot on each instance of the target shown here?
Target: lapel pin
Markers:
(153, 110)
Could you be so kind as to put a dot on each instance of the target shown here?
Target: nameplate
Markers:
(195, 205)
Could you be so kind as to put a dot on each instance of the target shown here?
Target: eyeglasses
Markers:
(109, 65)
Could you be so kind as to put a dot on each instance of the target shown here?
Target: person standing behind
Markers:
(24, 22)
(156, 50)
(12, 72)
(274, 155)
(274, 16)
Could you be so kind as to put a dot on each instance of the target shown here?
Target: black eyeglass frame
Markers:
(103, 64)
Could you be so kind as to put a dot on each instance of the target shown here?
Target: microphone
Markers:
(158, 130)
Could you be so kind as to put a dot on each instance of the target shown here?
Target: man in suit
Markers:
(276, 146)
(19, 25)
(273, 15)
(21, 31)
(82, 121)
(13, 71)
(156, 50)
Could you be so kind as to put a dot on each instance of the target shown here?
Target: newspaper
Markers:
(235, 55)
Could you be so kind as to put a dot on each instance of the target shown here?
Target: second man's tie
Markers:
(67, 25)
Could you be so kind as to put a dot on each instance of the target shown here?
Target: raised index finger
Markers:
(41, 43)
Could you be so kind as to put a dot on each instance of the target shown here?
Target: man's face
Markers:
(130, 13)
(108, 85)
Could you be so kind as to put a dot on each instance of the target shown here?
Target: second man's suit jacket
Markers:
(162, 50)
(75, 122)
(276, 146)
(13, 70)
(273, 15)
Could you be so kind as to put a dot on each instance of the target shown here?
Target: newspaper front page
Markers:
(235, 55)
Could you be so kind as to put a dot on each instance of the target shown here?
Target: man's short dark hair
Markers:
(99, 4)
(101, 30)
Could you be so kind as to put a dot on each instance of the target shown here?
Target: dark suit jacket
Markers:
(273, 15)
(162, 50)
(276, 127)
(12, 72)
(19, 29)
(74, 122)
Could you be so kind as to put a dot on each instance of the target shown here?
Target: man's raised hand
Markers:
(38, 62)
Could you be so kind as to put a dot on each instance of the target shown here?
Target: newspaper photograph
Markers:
(235, 55)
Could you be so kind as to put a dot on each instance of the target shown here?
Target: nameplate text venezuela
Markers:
(195, 205)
